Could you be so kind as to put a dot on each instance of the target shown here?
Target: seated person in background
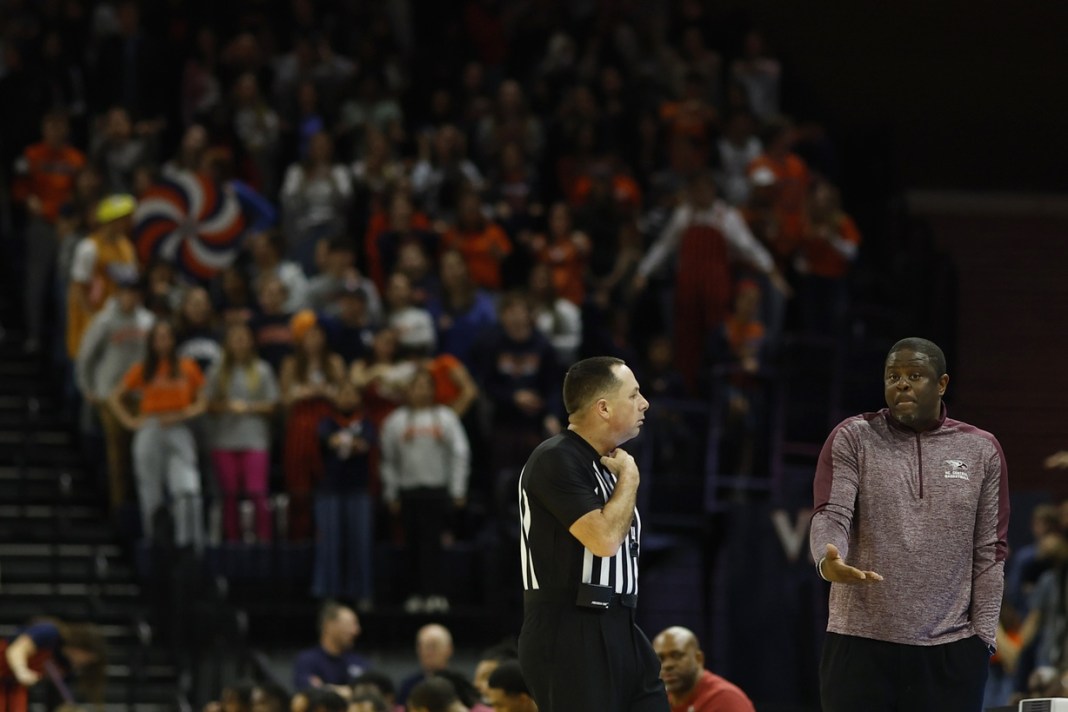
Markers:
(466, 692)
(507, 690)
(242, 395)
(435, 694)
(520, 374)
(558, 319)
(421, 269)
(375, 683)
(267, 697)
(483, 243)
(350, 330)
(490, 660)
(690, 687)
(413, 324)
(343, 510)
(369, 702)
(270, 325)
(338, 275)
(426, 462)
(463, 312)
(72, 648)
(267, 250)
(332, 663)
(433, 647)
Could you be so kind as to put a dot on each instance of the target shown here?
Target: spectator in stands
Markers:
(489, 662)
(316, 197)
(443, 172)
(758, 72)
(190, 154)
(309, 379)
(257, 128)
(196, 329)
(350, 332)
(425, 468)
(466, 693)
(1047, 621)
(388, 230)
(690, 687)
(413, 324)
(738, 148)
(709, 237)
(235, 302)
(518, 368)
(271, 324)
(789, 189)
(375, 683)
(163, 294)
(373, 174)
(433, 648)
(105, 252)
(420, 268)
(434, 694)
(483, 244)
(268, 697)
(267, 250)
(1025, 565)
(742, 348)
(117, 152)
(164, 451)
(688, 123)
(382, 376)
(463, 312)
(558, 319)
(74, 649)
(510, 122)
(343, 508)
(368, 702)
(564, 250)
(242, 396)
(338, 275)
(332, 663)
(515, 190)
(44, 181)
(114, 341)
(824, 256)
(507, 690)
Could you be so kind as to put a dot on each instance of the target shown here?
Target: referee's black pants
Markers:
(876, 676)
(581, 659)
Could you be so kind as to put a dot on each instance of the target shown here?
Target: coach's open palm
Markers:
(836, 570)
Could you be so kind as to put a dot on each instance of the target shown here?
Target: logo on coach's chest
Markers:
(956, 470)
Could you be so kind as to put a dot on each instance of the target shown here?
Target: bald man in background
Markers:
(691, 688)
(433, 647)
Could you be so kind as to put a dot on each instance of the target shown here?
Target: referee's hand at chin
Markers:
(620, 463)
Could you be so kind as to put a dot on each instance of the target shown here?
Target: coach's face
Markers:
(626, 406)
(913, 389)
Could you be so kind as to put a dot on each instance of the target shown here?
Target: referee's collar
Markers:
(583, 442)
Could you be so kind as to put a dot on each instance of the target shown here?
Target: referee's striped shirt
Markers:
(562, 481)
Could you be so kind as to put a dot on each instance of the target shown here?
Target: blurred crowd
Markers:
(423, 239)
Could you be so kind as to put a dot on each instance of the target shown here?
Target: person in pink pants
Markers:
(243, 393)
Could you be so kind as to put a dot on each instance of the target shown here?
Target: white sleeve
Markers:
(85, 363)
(296, 284)
(343, 182)
(422, 175)
(569, 336)
(292, 182)
(667, 243)
(742, 243)
(84, 262)
(460, 451)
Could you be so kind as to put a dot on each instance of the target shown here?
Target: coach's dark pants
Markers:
(876, 676)
(579, 659)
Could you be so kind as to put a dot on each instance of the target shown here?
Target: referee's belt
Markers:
(567, 596)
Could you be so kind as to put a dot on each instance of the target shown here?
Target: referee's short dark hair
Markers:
(508, 677)
(588, 380)
(434, 694)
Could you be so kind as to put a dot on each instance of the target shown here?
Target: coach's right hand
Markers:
(835, 570)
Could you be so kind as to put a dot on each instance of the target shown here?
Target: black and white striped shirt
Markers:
(562, 481)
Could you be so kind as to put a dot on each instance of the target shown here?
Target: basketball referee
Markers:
(580, 648)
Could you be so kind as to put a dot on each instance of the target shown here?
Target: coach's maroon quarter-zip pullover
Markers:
(929, 512)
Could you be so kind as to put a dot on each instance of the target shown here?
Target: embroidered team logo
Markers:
(956, 469)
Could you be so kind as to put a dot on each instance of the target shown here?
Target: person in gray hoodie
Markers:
(426, 460)
(114, 341)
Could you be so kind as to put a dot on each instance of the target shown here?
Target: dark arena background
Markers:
(479, 188)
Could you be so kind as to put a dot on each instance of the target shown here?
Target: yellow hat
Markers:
(114, 207)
